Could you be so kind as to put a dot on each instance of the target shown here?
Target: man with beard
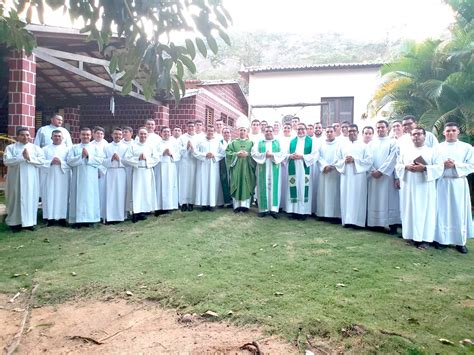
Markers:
(418, 168)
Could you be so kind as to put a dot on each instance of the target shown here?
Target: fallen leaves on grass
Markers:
(20, 274)
(210, 314)
(445, 341)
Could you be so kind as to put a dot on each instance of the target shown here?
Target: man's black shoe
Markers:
(274, 215)
(462, 249)
(190, 207)
(262, 214)
(439, 246)
(422, 245)
(184, 207)
(16, 229)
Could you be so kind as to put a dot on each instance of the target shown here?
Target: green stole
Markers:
(308, 145)
(262, 174)
(224, 180)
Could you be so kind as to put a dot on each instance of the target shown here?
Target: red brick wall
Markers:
(72, 116)
(230, 94)
(185, 112)
(128, 112)
(203, 100)
(21, 92)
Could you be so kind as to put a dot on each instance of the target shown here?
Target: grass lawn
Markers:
(302, 280)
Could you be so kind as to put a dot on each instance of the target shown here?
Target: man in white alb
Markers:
(23, 161)
(383, 207)
(115, 179)
(268, 155)
(329, 187)
(43, 136)
(85, 159)
(187, 168)
(142, 158)
(454, 212)
(353, 160)
(208, 186)
(418, 168)
(57, 175)
(166, 173)
(301, 156)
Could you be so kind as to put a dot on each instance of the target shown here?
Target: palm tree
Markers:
(434, 80)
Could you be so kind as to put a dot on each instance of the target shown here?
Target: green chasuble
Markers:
(242, 170)
(308, 145)
(262, 174)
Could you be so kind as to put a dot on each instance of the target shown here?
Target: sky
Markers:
(358, 19)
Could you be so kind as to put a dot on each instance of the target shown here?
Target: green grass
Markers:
(280, 274)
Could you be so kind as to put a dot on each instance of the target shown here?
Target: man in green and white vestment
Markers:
(268, 155)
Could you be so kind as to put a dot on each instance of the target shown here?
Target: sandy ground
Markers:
(124, 327)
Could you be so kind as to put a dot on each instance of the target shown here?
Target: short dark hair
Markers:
(409, 117)
(353, 125)
(197, 121)
(368, 127)
(396, 121)
(345, 122)
(127, 128)
(85, 129)
(383, 122)
(451, 124)
(22, 129)
(190, 122)
(164, 127)
(117, 129)
(419, 129)
(56, 131)
(99, 128)
(255, 120)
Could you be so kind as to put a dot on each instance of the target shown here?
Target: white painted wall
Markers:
(309, 86)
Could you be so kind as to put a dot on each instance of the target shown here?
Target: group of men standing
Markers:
(374, 181)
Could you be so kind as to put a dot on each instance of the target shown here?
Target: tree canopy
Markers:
(145, 25)
(434, 80)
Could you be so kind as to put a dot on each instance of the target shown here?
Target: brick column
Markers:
(21, 92)
(161, 116)
(72, 120)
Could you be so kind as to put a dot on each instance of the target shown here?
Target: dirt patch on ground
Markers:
(123, 327)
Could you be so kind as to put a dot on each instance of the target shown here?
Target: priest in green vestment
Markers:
(268, 155)
(241, 168)
(302, 154)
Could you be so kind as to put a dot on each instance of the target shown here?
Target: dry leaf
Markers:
(129, 293)
(210, 314)
(446, 341)
(341, 285)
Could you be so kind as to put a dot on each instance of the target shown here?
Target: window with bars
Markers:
(209, 116)
(230, 121)
(338, 109)
(224, 118)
